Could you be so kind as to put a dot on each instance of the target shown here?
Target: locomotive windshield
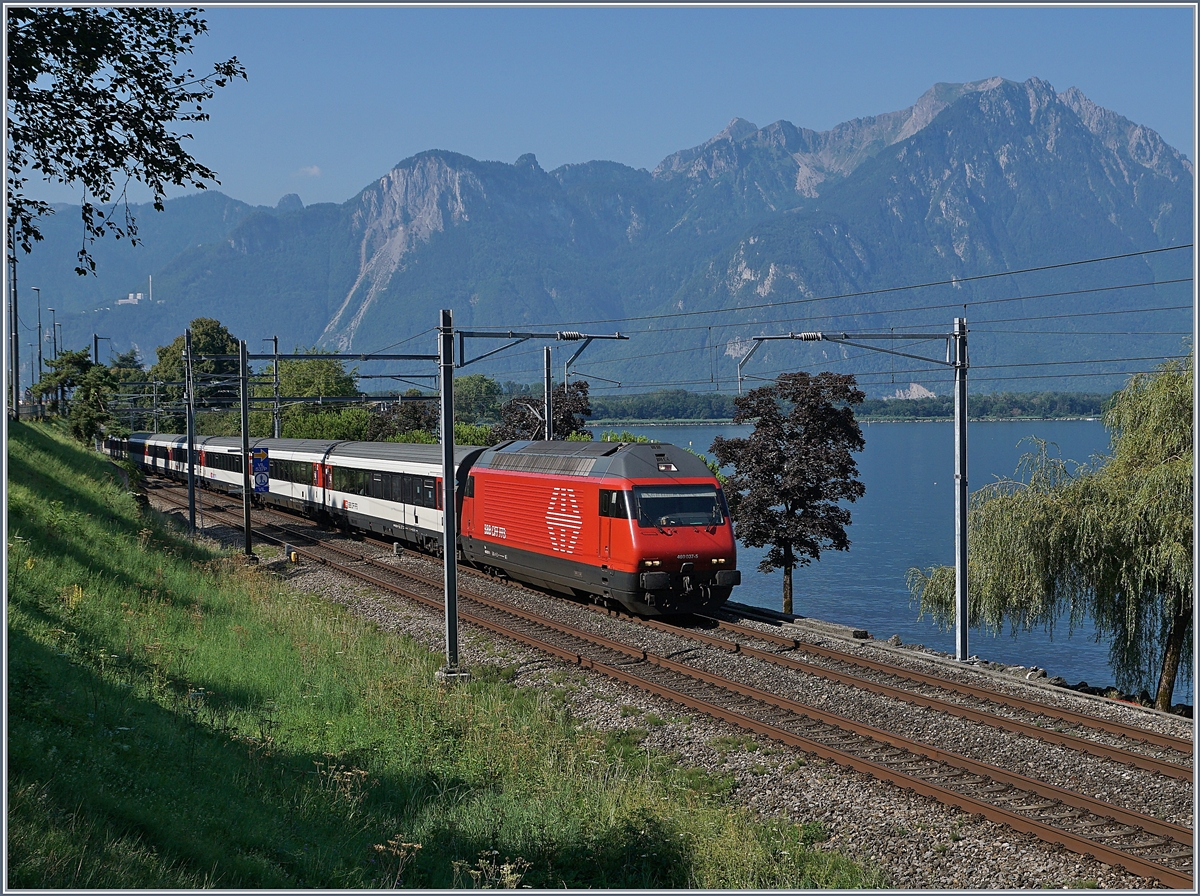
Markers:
(678, 505)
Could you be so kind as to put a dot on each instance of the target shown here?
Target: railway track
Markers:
(1139, 843)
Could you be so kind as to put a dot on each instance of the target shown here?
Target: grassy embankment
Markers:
(179, 720)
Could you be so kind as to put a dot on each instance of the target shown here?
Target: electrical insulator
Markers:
(570, 336)
(809, 337)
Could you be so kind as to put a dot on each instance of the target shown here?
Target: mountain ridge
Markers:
(970, 178)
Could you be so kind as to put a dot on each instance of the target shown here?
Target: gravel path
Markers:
(917, 843)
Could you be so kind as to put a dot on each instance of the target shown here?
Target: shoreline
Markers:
(617, 424)
(1033, 674)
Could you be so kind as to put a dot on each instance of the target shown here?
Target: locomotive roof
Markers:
(628, 460)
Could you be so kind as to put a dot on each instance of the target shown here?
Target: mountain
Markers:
(759, 226)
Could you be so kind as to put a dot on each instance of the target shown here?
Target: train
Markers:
(643, 526)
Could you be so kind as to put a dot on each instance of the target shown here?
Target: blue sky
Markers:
(336, 96)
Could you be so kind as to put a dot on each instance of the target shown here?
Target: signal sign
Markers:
(260, 466)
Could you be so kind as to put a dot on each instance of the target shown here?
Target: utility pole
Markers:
(549, 399)
(961, 619)
(190, 400)
(244, 378)
(451, 672)
(54, 345)
(16, 338)
(517, 338)
(41, 332)
(956, 358)
(275, 415)
(58, 340)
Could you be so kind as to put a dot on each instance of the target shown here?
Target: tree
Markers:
(317, 377)
(216, 381)
(792, 471)
(93, 93)
(125, 370)
(476, 398)
(67, 372)
(90, 414)
(416, 415)
(524, 418)
(1111, 542)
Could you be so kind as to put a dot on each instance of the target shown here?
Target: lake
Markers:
(906, 519)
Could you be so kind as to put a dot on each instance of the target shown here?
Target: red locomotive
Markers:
(644, 525)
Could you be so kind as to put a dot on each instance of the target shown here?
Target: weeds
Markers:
(490, 873)
(393, 857)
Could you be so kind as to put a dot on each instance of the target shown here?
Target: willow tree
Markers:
(794, 470)
(1110, 542)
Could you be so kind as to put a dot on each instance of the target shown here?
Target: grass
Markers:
(177, 719)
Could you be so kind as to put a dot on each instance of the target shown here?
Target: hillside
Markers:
(756, 225)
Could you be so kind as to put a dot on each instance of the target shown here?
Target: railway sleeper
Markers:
(1178, 854)
(1039, 807)
(1095, 823)
(1115, 835)
(1147, 844)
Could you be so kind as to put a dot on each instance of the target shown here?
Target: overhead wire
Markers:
(712, 347)
(974, 328)
(954, 281)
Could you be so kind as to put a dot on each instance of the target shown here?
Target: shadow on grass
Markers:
(239, 811)
(236, 812)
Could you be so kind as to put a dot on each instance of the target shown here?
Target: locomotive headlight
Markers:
(717, 561)
(651, 563)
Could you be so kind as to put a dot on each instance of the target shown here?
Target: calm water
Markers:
(906, 519)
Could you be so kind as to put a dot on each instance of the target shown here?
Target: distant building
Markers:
(133, 299)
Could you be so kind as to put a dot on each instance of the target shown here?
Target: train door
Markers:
(467, 523)
(322, 482)
(604, 550)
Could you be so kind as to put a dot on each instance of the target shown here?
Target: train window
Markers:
(469, 492)
(406, 489)
(680, 505)
(428, 493)
(377, 487)
(613, 504)
(352, 481)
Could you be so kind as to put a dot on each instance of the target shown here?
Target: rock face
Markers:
(289, 203)
(971, 179)
(815, 156)
(403, 209)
